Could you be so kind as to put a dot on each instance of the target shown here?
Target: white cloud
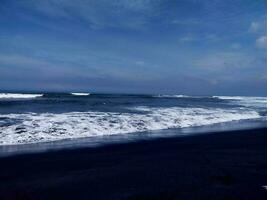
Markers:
(260, 29)
(254, 27)
(261, 42)
(259, 26)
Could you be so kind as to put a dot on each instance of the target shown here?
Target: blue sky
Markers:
(134, 46)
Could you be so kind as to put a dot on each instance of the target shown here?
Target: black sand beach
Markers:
(227, 165)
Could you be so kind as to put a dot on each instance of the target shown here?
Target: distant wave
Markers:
(18, 96)
(260, 102)
(229, 97)
(80, 94)
(235, 98)
(171, 96)
(34, 127)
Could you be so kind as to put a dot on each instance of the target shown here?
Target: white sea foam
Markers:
(80, 94)
(260, 102)
(172, 96)
(33, 127)
(229, 97)
(18, 96)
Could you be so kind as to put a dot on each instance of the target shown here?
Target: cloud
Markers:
(261, 42)
(213, 37)
(98, 13)
(259, 26)
(223, 60)
(254, 27)
(194, 38)
(34, 73)
(140, 63)
(18, 60)
(36, 67)
(186, 22)
(236, 46)
(187, 39)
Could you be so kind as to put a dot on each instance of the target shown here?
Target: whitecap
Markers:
(229, 97)
(80, 94)
(258, 102)
(172, 96)
(18, 96)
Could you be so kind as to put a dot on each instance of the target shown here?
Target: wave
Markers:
(259, 102)
(80, 94)
(171, 96)
(242, 100)
(18, 96)
(181, 96)
(259, 99)
(33, 127)
(229, 97)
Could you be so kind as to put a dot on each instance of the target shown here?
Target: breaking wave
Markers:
(258, 102)
(229, 97)
(18, 96)
(80, 94)
(43, 127)
(172, 96)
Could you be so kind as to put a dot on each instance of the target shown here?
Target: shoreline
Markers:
(224, 165)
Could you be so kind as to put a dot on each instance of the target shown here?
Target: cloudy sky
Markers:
(134, 46)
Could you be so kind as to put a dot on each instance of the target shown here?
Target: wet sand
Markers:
(227, 165)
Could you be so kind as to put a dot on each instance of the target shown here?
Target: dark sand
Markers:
(229, 165)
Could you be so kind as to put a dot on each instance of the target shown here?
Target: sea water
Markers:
(48, 117)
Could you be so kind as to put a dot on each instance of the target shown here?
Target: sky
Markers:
(195, 47)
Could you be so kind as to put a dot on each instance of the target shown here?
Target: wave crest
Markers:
(172, 96)
(18, 96)
(80, 94)
(258, 102)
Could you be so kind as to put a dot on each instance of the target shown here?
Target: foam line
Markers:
(33, 127)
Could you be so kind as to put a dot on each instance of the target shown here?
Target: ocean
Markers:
(97, 118)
